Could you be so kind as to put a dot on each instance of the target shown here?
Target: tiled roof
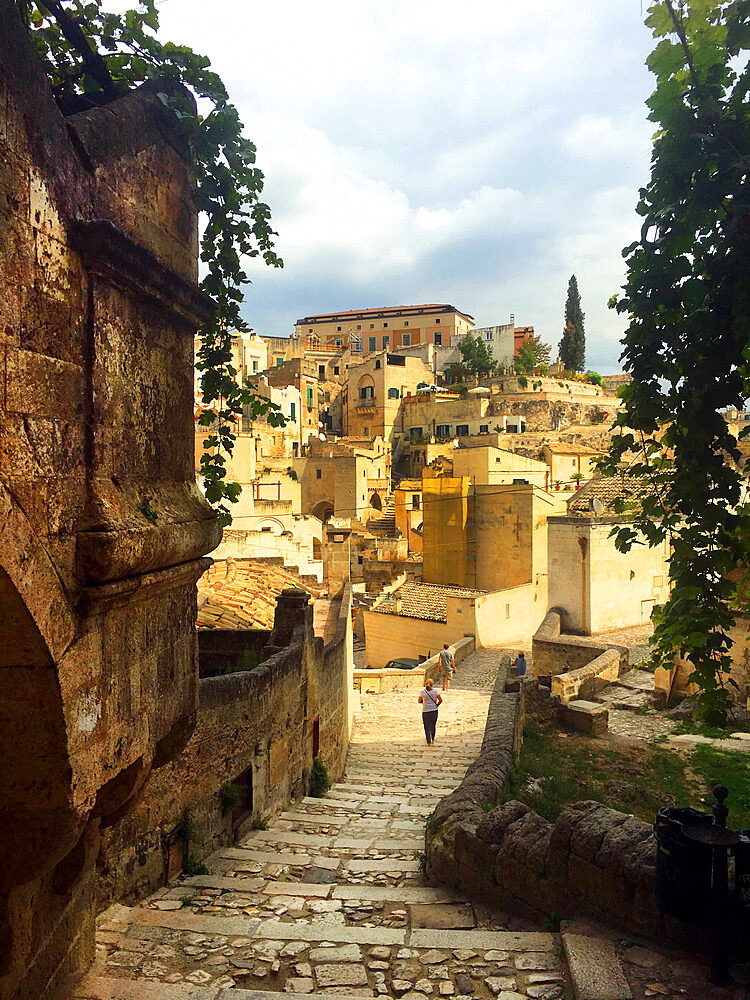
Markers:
(561, 448)
(242, 594)
(381, 310)
(608, 489)
(424, 600)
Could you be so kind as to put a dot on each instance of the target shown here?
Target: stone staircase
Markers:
(331, 901)
(385, 521)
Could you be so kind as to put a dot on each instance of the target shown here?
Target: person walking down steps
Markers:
(447, 664)
(429, 699)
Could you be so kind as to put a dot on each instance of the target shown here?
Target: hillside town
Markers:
(394, 652)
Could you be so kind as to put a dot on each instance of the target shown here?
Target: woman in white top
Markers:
(429, 700)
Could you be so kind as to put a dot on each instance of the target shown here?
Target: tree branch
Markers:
(679, 28)
(93, 62)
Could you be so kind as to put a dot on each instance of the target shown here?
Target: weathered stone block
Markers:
(586, 717)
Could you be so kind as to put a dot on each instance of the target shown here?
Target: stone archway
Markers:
(375, 502)
(323, 510)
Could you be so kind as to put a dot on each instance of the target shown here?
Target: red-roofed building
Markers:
(387, 328)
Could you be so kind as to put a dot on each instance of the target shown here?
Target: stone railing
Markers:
(593, 862)
(556, 653)
(382, 681)
(586, 682)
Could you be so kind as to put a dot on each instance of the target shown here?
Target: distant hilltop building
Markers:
(388, 328)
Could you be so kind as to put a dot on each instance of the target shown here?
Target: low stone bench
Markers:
(585, 716)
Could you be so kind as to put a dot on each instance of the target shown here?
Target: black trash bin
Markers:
(742, 873)
(683, 867)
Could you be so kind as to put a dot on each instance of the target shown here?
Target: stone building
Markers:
(385, 328)
(597, 587)
(102, 528)
(375, 392)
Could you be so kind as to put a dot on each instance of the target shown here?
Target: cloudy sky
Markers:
(471, 152)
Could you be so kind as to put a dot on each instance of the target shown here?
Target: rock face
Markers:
(102, 528)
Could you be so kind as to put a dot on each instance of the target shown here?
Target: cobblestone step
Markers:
(363, 925)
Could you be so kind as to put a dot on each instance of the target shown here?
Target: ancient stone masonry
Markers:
(593, 862)
(102, 528)
(257, 729)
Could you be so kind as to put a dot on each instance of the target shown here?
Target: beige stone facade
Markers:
(490, 466)
(375, 392)
(387, 328)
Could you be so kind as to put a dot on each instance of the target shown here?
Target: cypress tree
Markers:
(573, 343)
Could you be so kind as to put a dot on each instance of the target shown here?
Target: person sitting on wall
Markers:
(520, 664)
(447, 665)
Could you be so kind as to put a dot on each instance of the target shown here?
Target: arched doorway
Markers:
(323, 510)
(375, 502)
(317, 550)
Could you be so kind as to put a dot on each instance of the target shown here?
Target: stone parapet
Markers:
(593, 862)
(554, 652)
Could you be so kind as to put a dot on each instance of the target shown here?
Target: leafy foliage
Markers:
(92, 56)
(687, 345)
(532, 354)
(476, 356)
(573, 343)
(230, 796)
(320, 781)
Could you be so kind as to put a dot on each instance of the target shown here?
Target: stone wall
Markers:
(381, 681)
(102, 527)
(262, 720)
(587, 681)
(593, 862)
(555, 653)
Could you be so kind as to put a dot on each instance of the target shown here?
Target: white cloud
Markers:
(477, 153)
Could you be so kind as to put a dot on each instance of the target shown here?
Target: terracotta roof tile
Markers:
(423, 600)
(623, 486)
(243, 594)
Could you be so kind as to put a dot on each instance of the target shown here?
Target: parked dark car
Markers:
(401, 663)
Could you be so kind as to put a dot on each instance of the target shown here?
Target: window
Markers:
(364, 473)
(279, 361)
(366, 391)
(437, 320)
(443, 430)
(339, 342)
(265, 529)
(488, 334)
(335, 369)
(309, 397)
(507, 610)
(371, 343)
(520, 482)
(372, 326)
(359, 326)
(415, 501)
(438, 338)
(365, 431)
(377, 363)
(255, 366)
(385, 326)
(321, 371)
(360, 559)
(484, 428)
(318, 473)
(338, 329)
(406, 322)
(406, 339)
(386, 340)
(462, 430)
(293, 412)
(393, 394)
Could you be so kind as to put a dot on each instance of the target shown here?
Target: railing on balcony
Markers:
(364, 404)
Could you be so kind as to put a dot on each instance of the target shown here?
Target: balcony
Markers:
(365, 404)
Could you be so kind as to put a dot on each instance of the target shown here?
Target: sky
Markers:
(473, 153)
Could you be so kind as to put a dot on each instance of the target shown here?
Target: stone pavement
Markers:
(330, 899)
